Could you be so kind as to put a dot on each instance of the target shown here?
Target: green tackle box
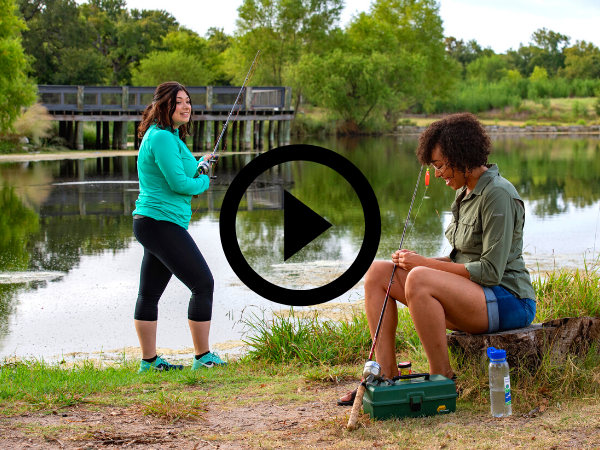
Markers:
(412, 396)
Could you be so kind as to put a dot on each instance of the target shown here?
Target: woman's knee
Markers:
(417, 281)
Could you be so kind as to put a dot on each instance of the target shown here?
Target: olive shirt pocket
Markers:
(465, 234)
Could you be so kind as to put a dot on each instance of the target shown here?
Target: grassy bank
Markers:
(312, 120)
(283, 391)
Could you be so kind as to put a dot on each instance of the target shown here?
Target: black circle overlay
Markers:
(246, 273)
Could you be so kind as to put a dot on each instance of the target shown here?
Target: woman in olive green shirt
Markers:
(482, 286)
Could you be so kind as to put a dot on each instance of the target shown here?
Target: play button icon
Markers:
(301, 225)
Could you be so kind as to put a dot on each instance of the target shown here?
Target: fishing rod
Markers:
(372, 369)
(204, 166)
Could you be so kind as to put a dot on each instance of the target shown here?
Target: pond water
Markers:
(69, 263)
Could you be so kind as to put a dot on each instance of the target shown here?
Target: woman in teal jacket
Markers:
(168, 177)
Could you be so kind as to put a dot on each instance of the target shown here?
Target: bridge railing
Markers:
(136, 98)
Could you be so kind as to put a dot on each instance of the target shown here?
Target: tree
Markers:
(408, 27)
(57, 38)
(550, 47)
(353, 85)
(125, 37)
(16, 89)
(582, 61)
(488, 68)
(283, 30)
(160, 67)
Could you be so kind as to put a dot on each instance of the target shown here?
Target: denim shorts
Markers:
(505, 311)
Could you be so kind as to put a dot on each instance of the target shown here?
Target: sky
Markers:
(499, 24)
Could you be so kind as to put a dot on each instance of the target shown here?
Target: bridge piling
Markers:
(105, 135)
(234, 136)
(248, 136)
(271, 133)
(261, 132)
(124, 135)
(136, 139)
(255, 133)
(79, 135)
(116, 135)
(69, 133)
(98, 135)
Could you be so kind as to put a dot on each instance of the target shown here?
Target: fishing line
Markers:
(414, 221)
(212, 162)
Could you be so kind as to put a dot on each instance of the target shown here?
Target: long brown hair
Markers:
(160, 111)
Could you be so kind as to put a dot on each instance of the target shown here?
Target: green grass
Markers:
(314, 341)
(568, 293)
(8, 147)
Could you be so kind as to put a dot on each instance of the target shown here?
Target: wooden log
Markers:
(528, 346)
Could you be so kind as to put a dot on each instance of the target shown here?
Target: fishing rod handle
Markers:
(360, 393)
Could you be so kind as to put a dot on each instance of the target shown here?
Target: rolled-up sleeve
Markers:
(498, 223)
(168, 159)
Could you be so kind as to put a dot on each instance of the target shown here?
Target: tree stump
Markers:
(528, 346)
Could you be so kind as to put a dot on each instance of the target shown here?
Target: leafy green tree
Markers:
(16, 89)
(176, 65)
(413, 27)
(57, 39)
(521, 59)
(488, 68)
(354, 85)
(465, 53)
(582, 61)
(81, 66)
(283, 30)
(550, 47)
(125, 37)
(209, 51)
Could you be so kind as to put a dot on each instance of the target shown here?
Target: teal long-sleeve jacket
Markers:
(166, 170)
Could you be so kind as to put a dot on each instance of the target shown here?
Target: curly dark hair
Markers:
(462, 140)
(160, 111)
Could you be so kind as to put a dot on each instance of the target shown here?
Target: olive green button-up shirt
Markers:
(486, 234)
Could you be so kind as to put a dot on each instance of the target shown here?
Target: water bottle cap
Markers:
(496, 354)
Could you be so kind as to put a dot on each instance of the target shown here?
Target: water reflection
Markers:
(74, 217)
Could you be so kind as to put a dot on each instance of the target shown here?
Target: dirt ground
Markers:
(240, 423)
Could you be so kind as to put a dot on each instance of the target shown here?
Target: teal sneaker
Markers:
(158, 364)
(209, 360)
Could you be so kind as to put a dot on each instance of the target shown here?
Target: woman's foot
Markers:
(158, 363)
(209, 359)
(347, 399)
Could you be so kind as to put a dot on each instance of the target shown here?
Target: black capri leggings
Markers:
(169, 249)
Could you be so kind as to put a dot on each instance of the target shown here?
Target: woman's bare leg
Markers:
(146, 331)
(200, 331)
(435, 298)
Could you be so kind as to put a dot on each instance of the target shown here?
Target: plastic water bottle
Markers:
(500, 398)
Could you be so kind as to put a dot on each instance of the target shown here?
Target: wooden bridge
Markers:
(72, 106)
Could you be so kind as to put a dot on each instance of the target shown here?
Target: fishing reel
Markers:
(372, 371)
(372, 374)
(205, 167)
